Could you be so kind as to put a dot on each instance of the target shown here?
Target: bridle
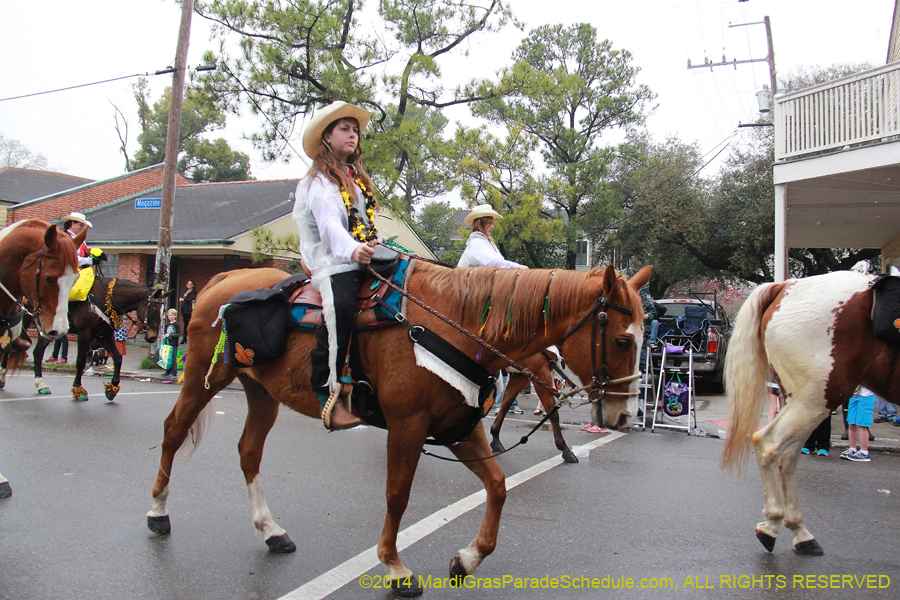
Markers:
(23, 309)
(599, 383)
(142, 325)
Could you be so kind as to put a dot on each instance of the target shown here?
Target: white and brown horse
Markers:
(816, 335)
(38, 267)
(594, 319)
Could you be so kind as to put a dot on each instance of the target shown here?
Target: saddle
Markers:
(306, 302)
(886, 308)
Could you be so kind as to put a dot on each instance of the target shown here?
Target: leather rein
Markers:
(598, 384)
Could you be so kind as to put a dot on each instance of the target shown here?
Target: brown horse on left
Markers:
(593, 318)
(38, 267)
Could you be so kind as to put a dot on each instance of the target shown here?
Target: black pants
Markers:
(345, 288)
(820, 438)
(186, 317)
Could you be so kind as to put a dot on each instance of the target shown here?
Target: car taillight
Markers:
(712, 345)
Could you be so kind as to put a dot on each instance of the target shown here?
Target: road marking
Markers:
(357, 566)
(68, 396)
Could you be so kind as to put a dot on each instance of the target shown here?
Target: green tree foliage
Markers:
(435, 225)
(295, 57)
(202, 160)
(567, 89)
(500, 172)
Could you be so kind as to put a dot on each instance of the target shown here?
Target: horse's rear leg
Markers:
(513, 387)
(404, 445)
(262, 410)
(476, 447)
(777, 448)
(38, 355)
(194, 397)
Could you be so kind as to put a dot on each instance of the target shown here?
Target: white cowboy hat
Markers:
(325, 117)
(76, 216)
(482, 210)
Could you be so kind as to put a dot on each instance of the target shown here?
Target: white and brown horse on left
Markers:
(816, 335)
(38, 267)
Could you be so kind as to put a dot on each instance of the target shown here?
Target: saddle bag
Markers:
(886, 308)
(255, 323)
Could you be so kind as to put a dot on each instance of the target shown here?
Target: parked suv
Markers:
(709, 341)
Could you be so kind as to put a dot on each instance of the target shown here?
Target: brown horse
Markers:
(816, 334)
(542, 367)
(594, 318)
(38, 267)
(126, 296)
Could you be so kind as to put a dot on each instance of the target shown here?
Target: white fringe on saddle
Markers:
(427, 360)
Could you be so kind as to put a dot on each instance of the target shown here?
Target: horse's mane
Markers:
(523, 292)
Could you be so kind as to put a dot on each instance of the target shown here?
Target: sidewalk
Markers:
(712, 411)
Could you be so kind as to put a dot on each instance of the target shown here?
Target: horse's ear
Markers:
(79, 239)
(641, 277)
(609, 278)
(50, 237)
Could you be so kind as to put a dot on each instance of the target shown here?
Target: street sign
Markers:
(148, 203)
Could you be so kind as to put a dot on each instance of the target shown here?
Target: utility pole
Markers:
(773, 82)
(170, 164)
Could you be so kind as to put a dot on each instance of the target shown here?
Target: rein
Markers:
(595, 385)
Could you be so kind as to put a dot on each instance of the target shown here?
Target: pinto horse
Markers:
(542, 367)
(38, 267)
(816, 335)
(119, 297)
(594, 318)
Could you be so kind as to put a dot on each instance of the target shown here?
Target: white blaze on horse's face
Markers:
(60, 318)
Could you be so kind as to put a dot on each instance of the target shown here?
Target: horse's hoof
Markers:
(280, 544)
(457, 570)
(809, 548)
(79, 394)
(766, 540)
(5, 490)
(407, 587)
(44, 391)
(569, 457)
(159, 525)
(497, 446)
(111, 390)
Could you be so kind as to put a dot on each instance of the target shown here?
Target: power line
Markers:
(75, 87)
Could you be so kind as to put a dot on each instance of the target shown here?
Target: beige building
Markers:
(837, 163)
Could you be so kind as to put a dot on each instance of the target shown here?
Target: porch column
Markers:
(780, 232)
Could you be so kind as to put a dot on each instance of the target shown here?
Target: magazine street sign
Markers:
(148, 203)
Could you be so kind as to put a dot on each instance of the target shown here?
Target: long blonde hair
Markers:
(332, 169)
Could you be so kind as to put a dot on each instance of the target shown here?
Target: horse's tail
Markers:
(196, 432)
(746, 369)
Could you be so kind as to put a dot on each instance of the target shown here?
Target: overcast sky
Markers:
(50, 44)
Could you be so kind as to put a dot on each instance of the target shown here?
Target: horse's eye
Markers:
(622, 343)
(48, 279)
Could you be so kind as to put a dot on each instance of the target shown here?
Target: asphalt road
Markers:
(648, 507)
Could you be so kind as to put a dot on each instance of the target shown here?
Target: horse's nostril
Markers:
(52, 333)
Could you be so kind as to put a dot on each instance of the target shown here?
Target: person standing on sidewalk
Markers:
(171, 339)
(859, 419)
(187, 308)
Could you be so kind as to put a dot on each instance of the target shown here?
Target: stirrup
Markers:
(333, 399)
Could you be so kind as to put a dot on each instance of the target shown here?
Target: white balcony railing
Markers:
(860, 108)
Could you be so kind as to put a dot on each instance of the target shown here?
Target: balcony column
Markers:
(780, 232)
